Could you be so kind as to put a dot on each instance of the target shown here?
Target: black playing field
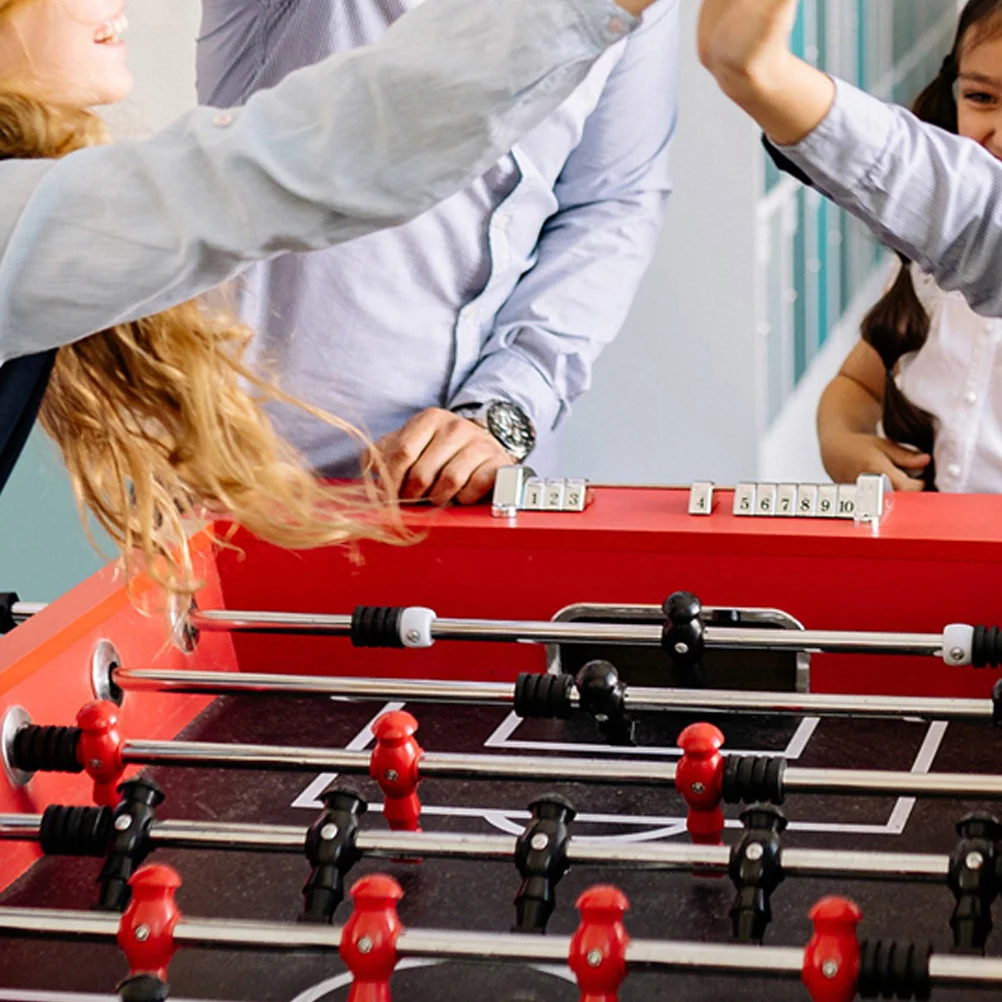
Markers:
(478, 896)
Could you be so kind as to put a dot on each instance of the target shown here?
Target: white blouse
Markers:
(957, 377)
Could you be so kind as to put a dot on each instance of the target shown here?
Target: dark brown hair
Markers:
(899, 324)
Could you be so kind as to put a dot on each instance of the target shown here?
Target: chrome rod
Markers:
(439, 845)
(709, 958)
(879, 782)
(442, 764)
(224, 683)
(552, 632)
(638, 698)
(946, 969)
(48, 922)
(830, 641)
(20, 827)
(926, 867)
(443, 944)
(445, 765)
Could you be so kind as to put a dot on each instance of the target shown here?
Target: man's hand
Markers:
(848, 455)
(443, 457)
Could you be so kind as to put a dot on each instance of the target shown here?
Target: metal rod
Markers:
(546, 632)
(224, 683)
(445, 765)
(638, 698)
(656, 855)
(442, 944)
(948, 970)
(204, 754)
(878, 782)
(543, 632)
(90, 926)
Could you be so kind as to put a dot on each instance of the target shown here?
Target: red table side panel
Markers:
(45, 669)
(934, 560)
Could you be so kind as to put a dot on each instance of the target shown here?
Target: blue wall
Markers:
(43, 548)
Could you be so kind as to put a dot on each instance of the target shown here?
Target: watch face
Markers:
(511, 428)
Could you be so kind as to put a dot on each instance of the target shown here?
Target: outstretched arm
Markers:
(364, 140)
(933, 196)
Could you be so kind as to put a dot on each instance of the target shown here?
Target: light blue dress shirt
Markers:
(510, 288)
(355, 144)
(934, 196)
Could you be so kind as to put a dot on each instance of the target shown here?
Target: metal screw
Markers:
(698, 788)
(413, 636)
(957, 653)
(681, 648)
(123, 823)
(754, 851)
(142, 933)
(391, 775)
(593, 958)
(364, 945)
(329, 832)
(539, 841)
(829, 969)
(974, 861)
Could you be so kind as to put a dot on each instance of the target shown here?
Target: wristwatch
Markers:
(504, 421)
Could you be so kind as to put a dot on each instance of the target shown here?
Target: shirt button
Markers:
(616, 25)
(222, 120)
(989, 327)
(502, 220)
(953, 470)
(970, 397)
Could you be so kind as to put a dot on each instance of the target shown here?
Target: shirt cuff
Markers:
(604, 20)
(507, 376)
(845, 148)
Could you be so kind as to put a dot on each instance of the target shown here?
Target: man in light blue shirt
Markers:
(496, 303)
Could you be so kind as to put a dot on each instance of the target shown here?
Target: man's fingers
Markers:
(454, 477)
(405, 447)
(451, 439)
(481, 482)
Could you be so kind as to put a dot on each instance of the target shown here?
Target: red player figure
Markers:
(369, 938)
(146, 932)
(598, 948)
(831, 957)
(100, 750)
(394, 766)
(699, 780)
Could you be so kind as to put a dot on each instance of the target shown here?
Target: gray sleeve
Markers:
(934, 196)
(362, 141)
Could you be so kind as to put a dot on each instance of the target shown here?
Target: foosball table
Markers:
(622, 751)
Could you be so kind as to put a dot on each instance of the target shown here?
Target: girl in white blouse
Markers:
(927, 367)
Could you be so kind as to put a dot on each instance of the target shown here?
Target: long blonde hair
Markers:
(161, 418)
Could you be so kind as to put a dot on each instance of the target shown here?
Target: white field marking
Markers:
(923, 763)
(501, 738)
(310, 796)
(343, 980)
(663, 827)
